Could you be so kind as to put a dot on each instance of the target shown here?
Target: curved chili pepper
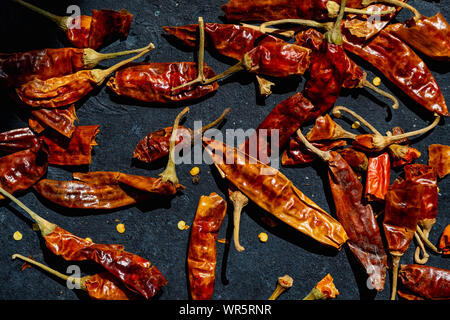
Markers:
(439, 159)
(75, 151)
(100, 29)
(424, 282)
(378, 177)
(17, 140)
(201, 258)
(273, 192)
(61, 120)
(401, 66)
(153, 82)
(444, 242)
(65, 90)
(21, 170)
(297, 153)
(103, 190)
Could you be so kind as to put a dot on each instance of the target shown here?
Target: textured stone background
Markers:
(151, 230)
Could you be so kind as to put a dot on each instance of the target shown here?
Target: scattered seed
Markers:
(194, 171)
(182, 225)
(196, 179)
(222, 240)
(120, 228)
(17, 236)
(89, 239)
(263, 237)
(376, 81)
(356, 125)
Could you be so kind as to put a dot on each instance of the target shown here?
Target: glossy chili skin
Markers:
(20, 67)
(79, 37)
(401, 214)
(356, 159)
(61, 120)
(444, 242)
(57, 92)
(424, 282)
(202, 252)
(135, 272)
(17, 140)
(358, 220)
(104, 286)
(267, 10)
(326, 287)
(378, 177)
(401, 153)
(153, 82)
(429, 35)
(298, 154)
(276, 194)
(103, 190)
(75, 151)
(230, 40)
(324, 129)
(439, 159)
(403, 67)
(21, 170)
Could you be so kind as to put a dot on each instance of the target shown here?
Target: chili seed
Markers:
(120, 228)
(17, 236)
(195, 171)
(376, 81)
(263, 237)
(356, 125)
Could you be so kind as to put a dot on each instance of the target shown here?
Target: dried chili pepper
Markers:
(297, 153)
(401, 216)
(156, 144)
(357, 218)
(378, 177)
(355, 159)
(135, 272)
(17, 140)
(21, 170)
(324, 289)
(401, 152)
(326, 129)
(444, 242)
(103, 190)
(438, 158)
(202, 251)
(60, 119)
(65, 90)
(75, 151)
(101, 286)
(20, 67)
(403, 67)
(273, 192)
(424, 282)
(100, 29)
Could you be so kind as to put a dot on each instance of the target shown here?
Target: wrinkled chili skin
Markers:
(61, 120)
(357, 160)
(403, 67)
(401, 214)
(439, 158)
(267, 10)
(230, 40)
(20, 67)
(79, 36)
(202, 252)
(298, 154)
(358, 220)
(429, 35)
(21, 170)
(426, 282)
(276, 194)
(135, 272)
(324, 129)
(104, 286)
(153, 82)
(57, 92)
(378, 177)
(444, 242)
(156, 145)
(107, 26)
(103, 190)
(17, 140)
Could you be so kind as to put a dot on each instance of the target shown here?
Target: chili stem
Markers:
(335, 34)
(92, 58)
(315, 294)
(324, 155)
(392, 139)
(395, 264)
(420, 247)
(333, 9)
(170, 173)
(309, 23)
(59, 20)
(426, 241)
(283, 284)
(265, 86)
(336, 112)
(212, 124)
(417, 14)
(100, 75)
(284, 33)
(369, 85)
(45, 226)
(239, 202)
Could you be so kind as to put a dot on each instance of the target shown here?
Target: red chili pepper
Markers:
(355, 159)
(401, 153)
(378, 177)
(17, 140)
(298, 154)
(439, 159)
(424, 282)
(444, 242)
(61, 120)
(202, 251)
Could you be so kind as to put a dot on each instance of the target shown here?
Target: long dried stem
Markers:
(369, 85)
(212, 124)
(426, 241)
(417, 14)
(239, 201)
(420, 247)
(62, 22)
(336, 111)
(395, 266)
(324, 155)
(333, 10)
(91, 58)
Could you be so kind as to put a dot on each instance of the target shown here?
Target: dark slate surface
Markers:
(151, 231)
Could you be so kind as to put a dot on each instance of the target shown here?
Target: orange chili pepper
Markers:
(378, 177)
(439, 159)
(444, 242)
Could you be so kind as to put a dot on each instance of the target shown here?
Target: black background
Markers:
(151, 230)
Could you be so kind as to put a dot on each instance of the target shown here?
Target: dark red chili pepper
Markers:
(378, 177)
(103, 28)
(17, 140)
(401, 153)
(424, 282)
(201, 260)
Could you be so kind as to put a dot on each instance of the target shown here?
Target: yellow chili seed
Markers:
(17, 236)
(120, 228)
(181, 225)
(438, 189)
(337, 114)
(376, 81)
(356, 125)
(194, 171)
(263, 237)
(89, 239)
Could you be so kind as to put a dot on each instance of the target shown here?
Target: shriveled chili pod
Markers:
(275, 193)
(135, 272)
(424, 283)
(75, 151)
(439, 159)
(401, 216)
(324, 289)
(444, 242)
(19, 171)
(378, 177)
(20, 67)
(356, 217)
(59, 119)
(65, 90)
(202, 252)
(356, 159)
(17, 140)
(103, 190)
(100, 29)
(100, 286)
